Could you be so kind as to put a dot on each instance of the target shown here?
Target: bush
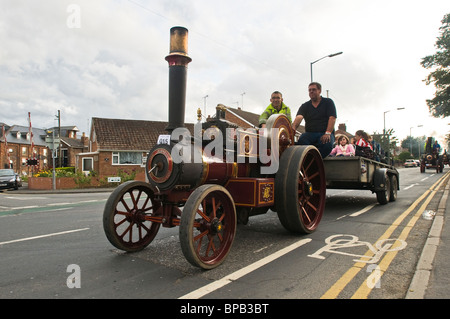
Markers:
(125, 175)
(59, 172)
(82, 180)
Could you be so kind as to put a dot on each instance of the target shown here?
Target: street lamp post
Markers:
(327, 56)
(204, 103)
(242, 94)
(384, 132)
(410, 140)
(53, 157)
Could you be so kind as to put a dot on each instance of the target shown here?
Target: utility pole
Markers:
(59, 136)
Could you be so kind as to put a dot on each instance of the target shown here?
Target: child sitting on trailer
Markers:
(343, 147)
(363, 147)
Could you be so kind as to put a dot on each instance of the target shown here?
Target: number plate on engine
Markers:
(164, 139)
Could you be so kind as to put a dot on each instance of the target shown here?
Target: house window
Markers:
(24, 151)
(87, 164)
(123, 158)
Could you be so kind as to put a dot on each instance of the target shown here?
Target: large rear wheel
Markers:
(301, 192)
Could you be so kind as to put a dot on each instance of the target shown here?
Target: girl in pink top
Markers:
(343, 147)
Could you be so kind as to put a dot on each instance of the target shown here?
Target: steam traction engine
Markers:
(205, 190)
(431, 158)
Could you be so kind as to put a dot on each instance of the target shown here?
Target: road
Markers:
(53, 246)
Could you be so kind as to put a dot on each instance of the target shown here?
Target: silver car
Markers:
(410, 163)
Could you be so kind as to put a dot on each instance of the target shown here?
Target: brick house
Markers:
(120, 144)
(19, 149)
(70, 145)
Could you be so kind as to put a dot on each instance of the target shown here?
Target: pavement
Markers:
(432, 276)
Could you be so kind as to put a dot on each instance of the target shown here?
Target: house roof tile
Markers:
(130, 135)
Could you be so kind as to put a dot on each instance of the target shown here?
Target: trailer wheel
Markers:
(300, 189)
(125, 216)
(208, 226)
(394, 186)
(383, 183)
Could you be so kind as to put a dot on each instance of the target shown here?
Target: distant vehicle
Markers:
(431, 158)
(9, 179)
(417, 163)
(410, 163)
(445, 159)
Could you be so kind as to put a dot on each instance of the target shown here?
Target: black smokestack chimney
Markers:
(178, 61)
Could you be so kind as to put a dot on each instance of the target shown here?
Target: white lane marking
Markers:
(24, 198)
(362, 211)
(408, 187)
(23, 207)
(42, 236)
(242, 272)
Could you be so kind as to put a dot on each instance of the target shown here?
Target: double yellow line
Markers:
(364, 290)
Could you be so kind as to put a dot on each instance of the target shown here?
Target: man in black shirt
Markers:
(320, 117)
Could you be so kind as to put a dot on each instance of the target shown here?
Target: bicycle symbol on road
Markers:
(337, 244)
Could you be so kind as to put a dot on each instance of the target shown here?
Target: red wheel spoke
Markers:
(127, 230)
(133, 200)
(313, 175)
(120, 223)
(306, 214)
(147, 209)
(139, 196)
(128, 214)
(311, 205)
(309, 165)
(125, 204)
(214, 207)
(203, 215)
(199, 238)
(210, 246)
(145, 204)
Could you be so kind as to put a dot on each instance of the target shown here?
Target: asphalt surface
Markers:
(432, 275)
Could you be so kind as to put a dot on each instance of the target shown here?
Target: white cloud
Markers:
(113, 65)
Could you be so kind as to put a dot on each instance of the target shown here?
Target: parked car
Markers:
(417, 163)
(9, 179)
(410, 163)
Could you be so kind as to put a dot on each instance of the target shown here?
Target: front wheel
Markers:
(208, 226)
(127, 216)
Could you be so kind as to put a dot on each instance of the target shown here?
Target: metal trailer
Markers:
(355, 172)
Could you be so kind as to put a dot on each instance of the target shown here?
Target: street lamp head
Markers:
(334, 54)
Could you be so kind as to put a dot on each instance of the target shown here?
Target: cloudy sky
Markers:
(105, 58)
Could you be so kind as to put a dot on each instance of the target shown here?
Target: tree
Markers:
(439, 106)
(415, 145)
